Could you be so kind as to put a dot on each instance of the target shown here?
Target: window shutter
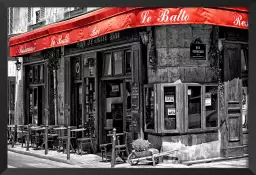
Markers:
(42, 12)
(29, 14)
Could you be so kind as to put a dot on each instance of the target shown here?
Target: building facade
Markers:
(169, 83)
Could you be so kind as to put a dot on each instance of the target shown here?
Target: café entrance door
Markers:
(116, 106)
(35, 105)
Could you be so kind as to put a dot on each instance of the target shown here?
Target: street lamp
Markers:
(18, 64)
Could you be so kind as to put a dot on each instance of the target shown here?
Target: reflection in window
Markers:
(118, 58)
(211, 106)
(107, 64)
(169, 108)
(194, 107)
(244, 107)
(128, 67)
(244, 59)
(35, 74)
(149, 105)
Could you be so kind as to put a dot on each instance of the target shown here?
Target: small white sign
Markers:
(171, 111)
(208, 101)
(169, 98)
(115, 88)
(11, 69)
(189, 91)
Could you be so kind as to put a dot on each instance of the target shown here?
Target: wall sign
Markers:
(198, 50)
(113, 90)
(11, 68)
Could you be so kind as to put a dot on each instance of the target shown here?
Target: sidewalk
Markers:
(95, 161)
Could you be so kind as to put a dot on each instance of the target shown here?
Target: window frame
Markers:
(204, 108)
(125, 59)
(155, 108)
(104, 64)
(111, 52)
(122, 64)
(178, 94)
(187, 130)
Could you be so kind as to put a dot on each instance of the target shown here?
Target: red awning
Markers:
(108, 20)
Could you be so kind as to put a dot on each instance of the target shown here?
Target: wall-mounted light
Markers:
(18, 64)
(144, 37)
(220, 45)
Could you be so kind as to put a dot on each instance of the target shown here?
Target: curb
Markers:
(188, 163)
(42, 156)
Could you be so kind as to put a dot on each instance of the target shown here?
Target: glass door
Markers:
(78, 105)
(35, 105)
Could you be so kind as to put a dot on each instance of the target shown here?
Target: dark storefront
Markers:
(38, 91)
(103, 75)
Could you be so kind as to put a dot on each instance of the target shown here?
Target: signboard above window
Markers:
(197, 50)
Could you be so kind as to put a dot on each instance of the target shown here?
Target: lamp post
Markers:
(18, 68)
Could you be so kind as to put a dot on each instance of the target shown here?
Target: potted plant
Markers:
(141, 149)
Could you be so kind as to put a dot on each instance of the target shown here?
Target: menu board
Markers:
(135, 97)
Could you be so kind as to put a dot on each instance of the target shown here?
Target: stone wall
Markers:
(173, 55)
(191, 146)
(20, 20)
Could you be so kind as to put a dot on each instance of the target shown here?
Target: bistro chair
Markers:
(120, 148)
(87, 139)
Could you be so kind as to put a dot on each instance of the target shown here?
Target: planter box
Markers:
(143, 154)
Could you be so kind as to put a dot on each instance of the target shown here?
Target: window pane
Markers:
(169, 108)
(244, 107)
(149, 104)
(35, 74)
(211, 106)
(41, 73)
(118, 58)
(194, 107)
(107, 64)
(128, 64)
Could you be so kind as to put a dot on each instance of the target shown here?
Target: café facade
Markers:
(163, 74)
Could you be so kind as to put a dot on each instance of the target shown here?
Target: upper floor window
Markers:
(36, 15)
(36, 74)
(117, 63)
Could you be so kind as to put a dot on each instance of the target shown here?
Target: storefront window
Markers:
(118, 59)
(194, 107)
(169, 108)
(149, 108)
(107, 64)
(244, 68)
(211, 106)
(128, 68)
